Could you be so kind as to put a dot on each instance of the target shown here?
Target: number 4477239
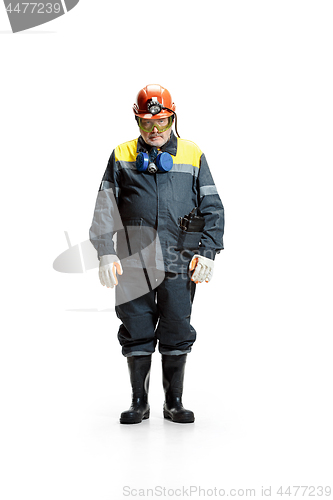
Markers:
(31, 7)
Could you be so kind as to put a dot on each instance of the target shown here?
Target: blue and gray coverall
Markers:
(150, 204)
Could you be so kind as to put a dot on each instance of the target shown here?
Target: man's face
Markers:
(155, 137)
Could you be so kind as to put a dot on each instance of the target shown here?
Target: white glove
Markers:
(203, 268)
(108, 265)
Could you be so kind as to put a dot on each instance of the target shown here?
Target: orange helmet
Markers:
(154, 101)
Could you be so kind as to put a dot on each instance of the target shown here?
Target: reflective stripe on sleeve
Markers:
(207, 190)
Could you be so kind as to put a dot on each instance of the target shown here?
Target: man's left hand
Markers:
(203, 269)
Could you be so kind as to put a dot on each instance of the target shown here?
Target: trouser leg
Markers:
(175, 296)
(139, 316)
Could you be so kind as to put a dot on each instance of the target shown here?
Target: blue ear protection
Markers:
(154, 161)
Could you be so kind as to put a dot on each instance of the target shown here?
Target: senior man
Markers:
(158, 183)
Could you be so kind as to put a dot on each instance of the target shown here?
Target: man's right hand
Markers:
(109, 266)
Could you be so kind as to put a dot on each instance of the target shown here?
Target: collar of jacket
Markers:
(168, 147)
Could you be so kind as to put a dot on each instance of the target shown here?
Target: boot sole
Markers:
(145, 416)
(184, 420)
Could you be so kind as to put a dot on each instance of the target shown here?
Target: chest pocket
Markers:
(182, 188)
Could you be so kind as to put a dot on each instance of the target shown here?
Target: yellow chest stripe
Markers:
(187, 152)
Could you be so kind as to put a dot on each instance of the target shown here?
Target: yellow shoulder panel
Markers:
(188, 152)
(126, 151)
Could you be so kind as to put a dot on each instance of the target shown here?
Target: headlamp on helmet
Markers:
(154, 107)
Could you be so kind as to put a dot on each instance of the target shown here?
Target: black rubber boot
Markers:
(139, 370)
(173, 376)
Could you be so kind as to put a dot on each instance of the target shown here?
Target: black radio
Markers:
(192, 223)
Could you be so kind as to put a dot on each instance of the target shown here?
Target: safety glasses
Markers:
(161, 124)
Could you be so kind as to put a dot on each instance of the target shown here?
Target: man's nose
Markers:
(155, 129)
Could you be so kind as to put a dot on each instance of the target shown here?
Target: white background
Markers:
(252, 82)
